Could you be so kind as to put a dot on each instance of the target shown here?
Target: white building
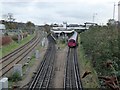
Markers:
(2, 28)
(119, 11)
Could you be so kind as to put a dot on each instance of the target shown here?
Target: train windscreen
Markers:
(72, 40)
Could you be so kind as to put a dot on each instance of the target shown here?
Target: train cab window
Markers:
(72, 41)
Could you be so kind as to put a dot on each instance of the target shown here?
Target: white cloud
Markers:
(89, 1)
(76, 11)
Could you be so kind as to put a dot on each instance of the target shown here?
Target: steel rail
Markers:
(43, 76)
(17, 56)
(72, 75)
(77, 73)
(9, 65)
(6, 57)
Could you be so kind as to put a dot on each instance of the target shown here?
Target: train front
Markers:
(71, 43)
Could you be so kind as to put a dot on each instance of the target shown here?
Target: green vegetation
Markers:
(30, 63)
(101, 46)
(47, 28)
(15, 77)
(90, 81)
(14, 45)
(9, 22)
(32, 60)
(61, 43)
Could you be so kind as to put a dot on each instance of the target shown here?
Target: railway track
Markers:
(5, 58)
(72, 76)
(17, 56)
(43, 75)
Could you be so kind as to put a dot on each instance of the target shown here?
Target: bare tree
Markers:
(30, 27)
(8, 17)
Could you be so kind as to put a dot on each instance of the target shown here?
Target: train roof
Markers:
(74, 36)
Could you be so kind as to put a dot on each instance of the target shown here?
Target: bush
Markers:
(6, 34)
(63, 41)
(101, 44)
(25, 34)
(15, 77)
(5, 40)
(15, 37)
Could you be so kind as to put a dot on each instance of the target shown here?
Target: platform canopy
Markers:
(62, 30)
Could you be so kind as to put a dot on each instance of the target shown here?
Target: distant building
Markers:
(2, 26)
(2, 29)
(119, 11)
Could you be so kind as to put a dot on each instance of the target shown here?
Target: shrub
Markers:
(15, 77)
(102, 45)
(6, 34)
(5, 40)
(15, 37)
(63, 41)
(25, 34)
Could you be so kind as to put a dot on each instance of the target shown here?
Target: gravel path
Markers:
(59, 68)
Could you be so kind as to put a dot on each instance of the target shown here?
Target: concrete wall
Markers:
(119, 11)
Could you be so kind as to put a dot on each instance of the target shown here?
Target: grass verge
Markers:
(14, 45)
(91, 80)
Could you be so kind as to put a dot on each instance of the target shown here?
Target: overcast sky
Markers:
(57, 11)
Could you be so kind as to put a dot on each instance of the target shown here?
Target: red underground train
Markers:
(72, 41)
